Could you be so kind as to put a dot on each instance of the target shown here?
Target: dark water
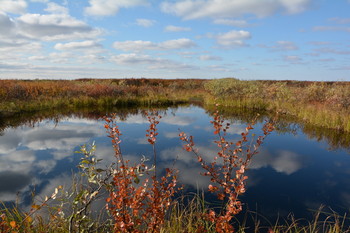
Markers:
(294, 172)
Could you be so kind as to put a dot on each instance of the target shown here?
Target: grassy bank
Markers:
(18, 96)
(321, 104)
(324, 104)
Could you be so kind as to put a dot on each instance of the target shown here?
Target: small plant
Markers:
(227, 176)
(135, 205)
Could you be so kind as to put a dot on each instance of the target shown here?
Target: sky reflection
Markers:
(292, 173)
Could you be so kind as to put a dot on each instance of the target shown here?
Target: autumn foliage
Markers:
(135, 205)
(139, 200)
(227, 170)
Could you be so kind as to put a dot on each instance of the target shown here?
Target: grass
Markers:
(324, 104)
(186, 215)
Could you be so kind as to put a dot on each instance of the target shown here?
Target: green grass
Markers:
(186, 215)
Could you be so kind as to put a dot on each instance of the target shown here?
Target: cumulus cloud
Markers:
(19, 158)
(140, 45)
(194, 9)
(133, 58)
(42, 1)
(6, 24)
(88, 44)
(333, 50)
(55, 8)
(293, 59)
(231, 22)
(233, 38)
(64, 137)
(172, 28)
(209, 58)
(153, 62)
(9, 141)
(283, 161)
(145, 22)
(340, 20)
(331, 28)
(13, 6)
(282, 46)
(110, 7)
(171, 134)
(179, 120)
(54, 27)
(285, 45)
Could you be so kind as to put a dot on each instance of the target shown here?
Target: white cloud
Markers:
(177, 44)
(154, 63)
(61, 58)
(340, 20)
(282, 46)
(140, 45)
(13, 6)
(283, 161)
(42, 1)
(88, 44)
(25, 34)
(54, 27)
(55, 8)
(218, 68)
(171, 28)
(331, 28)
(233, 38)
(145, 22)
(37, 58)
(209, 58)
(194, 9)
(293, 59)
(232, 22)
(91, 59)
(285, 45)
(179, 120)
(110, 7)
(9, 141)
(171, 134)
(334, 51)
(21, 160)
(6, 24)
(133, 58)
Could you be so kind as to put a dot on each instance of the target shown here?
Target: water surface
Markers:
(292, 173)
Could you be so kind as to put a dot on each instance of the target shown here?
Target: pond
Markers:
(293, 173)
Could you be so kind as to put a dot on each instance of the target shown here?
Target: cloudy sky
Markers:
(246, 39)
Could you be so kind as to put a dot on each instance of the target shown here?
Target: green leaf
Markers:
(137, 180)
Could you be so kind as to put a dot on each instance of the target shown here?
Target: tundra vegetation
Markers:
(324, 104)
(141, 198)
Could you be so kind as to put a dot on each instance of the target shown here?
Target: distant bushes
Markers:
(334, 94)
(45, 89)
(325, 104)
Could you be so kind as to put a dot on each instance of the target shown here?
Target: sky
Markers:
(245, 39)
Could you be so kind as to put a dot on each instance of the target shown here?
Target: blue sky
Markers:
(246, 39)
